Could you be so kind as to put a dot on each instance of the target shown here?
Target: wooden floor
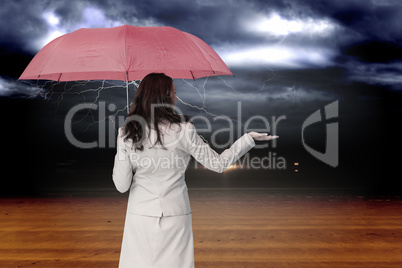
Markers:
(231, 229)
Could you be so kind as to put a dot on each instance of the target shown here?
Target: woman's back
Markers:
(158, 185)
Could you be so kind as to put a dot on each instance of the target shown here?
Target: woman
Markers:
(156, 144)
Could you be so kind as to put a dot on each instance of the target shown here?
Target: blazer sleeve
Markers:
(204, 154)
(122, 170)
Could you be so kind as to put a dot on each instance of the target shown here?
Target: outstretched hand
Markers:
(262, 136)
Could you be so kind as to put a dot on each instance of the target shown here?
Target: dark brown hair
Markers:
(152, 104)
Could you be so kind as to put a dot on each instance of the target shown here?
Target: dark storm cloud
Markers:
(214, 21)
(9, 87)
(374, 51)
(328, 33)
(365, 19)
(21, 23)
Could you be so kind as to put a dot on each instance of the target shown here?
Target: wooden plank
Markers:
(231, 229)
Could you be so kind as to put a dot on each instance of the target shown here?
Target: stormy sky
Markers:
(289, 58)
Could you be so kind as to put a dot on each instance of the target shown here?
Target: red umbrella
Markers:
(124, 53)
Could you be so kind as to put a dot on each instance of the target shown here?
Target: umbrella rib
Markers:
(62, 38)
(127, 92)
(201, 51)
(125, 50)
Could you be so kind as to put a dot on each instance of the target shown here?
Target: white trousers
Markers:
(156, 242)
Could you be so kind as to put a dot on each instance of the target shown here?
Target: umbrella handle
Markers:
(127, 90)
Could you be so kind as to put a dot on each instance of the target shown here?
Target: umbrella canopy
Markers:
(124, 53)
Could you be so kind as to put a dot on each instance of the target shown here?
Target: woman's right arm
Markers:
(204, 154)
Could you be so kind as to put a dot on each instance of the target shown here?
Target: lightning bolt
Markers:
(197, 107)
(272, 77)
(74, 89)
(58, 91)
(202, 96)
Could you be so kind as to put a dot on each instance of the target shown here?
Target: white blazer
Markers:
(158, 186)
